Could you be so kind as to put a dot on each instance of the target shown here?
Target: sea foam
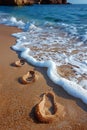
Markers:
(50, 36)
(71, 87)
(12, 21)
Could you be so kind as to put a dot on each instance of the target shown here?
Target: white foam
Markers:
(12, 21)
(83, 83)
(84, 38)
(49, 44)
(50, 37)
(71, 87)
(81, 66)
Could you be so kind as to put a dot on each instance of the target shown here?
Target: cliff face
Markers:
(29, 2)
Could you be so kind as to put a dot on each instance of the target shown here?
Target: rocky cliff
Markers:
(29, 2)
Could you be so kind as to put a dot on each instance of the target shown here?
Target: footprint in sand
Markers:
(30, 77)
(47, 110)
(19, 63)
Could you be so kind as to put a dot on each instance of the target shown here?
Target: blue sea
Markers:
(53, 36)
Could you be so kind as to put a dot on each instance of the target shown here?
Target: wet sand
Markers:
(17, 100)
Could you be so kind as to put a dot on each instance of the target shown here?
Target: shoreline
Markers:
(18, 100)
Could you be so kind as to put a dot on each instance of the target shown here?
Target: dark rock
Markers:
(30, 2)
(51, 2)
(68, 3)
(7, 2)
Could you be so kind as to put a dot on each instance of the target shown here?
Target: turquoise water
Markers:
(69, 14)
(74, 15)
(53, 36)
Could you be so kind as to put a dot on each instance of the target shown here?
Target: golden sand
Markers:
(41, 112)
(18, 101)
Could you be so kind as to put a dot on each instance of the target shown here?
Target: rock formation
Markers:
(53, 2)
(29, 2)
(7, 2)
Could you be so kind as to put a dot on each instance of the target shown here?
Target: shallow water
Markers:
(54, 36)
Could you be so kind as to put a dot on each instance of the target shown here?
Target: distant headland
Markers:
(31, 2)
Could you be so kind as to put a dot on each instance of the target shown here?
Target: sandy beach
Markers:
(17, 100)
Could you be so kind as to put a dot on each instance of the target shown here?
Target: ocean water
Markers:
(53, 36)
